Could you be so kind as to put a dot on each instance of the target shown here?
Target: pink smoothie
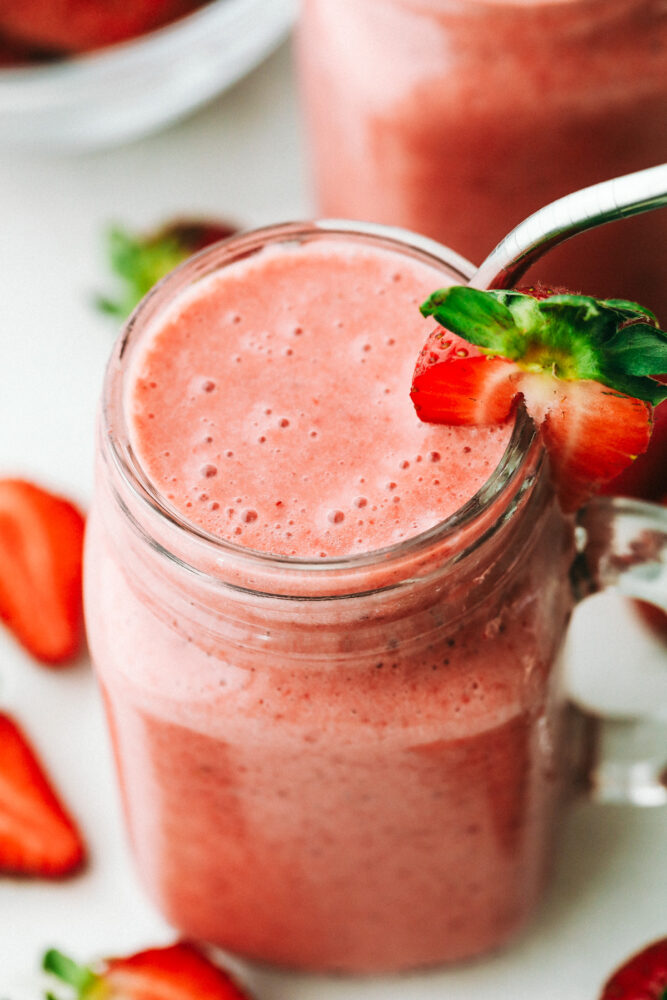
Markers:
(359, 783)
(458, 118)
(288, 427)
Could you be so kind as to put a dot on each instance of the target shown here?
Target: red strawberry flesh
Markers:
(37, 836)
(642, 977)
(178, 972)
(41, 544)
(646, 478)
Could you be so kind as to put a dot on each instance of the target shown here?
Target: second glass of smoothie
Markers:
(459, 118)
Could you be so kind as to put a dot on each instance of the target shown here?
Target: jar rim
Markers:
(143, 502)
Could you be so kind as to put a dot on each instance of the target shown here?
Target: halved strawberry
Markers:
(140, 261)
(642, 977)
(582, 367)
(646, 478)
(178, 972)
(37, 837)
(41, 544)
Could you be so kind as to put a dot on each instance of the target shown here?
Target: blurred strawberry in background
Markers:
(140, 260)
(181, 971)
(68, 27)
(642, 977)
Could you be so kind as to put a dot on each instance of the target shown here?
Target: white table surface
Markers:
(240, 158)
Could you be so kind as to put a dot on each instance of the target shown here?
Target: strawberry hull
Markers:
(584, 369)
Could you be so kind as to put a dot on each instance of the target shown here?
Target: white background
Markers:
(240, 158)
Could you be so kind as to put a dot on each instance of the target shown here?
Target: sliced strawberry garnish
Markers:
(643, 977)
(37, 837)
(178, 972)
(140, 261)
(646, 478)
(591, 434)
(475, 390)
(583, 369)
(41, 543)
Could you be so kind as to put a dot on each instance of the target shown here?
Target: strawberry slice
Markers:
(140, 261)
(41, 543)
(178, 972)
(37, 837)
(642, 977)
(646, 478)
(583, 368)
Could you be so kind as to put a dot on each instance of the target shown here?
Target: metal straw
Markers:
(592, 206)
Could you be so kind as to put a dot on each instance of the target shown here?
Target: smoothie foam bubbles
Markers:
(271, 406)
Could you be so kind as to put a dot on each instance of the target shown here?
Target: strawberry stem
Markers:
(78, 976)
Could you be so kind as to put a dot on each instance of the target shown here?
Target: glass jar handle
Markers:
(622, 545)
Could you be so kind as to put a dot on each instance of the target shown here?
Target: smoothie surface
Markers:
(270, 405)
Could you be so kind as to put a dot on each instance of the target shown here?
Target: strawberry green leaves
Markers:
(572, 337)
(82, 979)
(140, 261)
(583, 368)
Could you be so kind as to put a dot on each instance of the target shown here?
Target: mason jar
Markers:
(353, 764)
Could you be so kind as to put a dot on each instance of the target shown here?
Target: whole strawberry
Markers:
(140, 261)
(642, 977)
(178, 972)
(583, 368)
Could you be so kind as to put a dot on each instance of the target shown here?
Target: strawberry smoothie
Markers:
(458, 118)
(337, 721)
